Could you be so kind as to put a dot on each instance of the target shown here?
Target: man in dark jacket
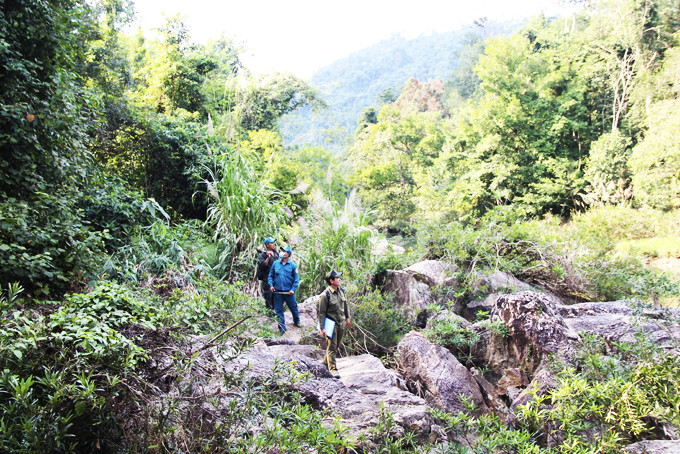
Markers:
(265, 262)
(333, 305)
(283, 281)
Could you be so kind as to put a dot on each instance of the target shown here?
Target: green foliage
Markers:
(377, 325)
(163, 155)
(242, 209)
(577, 264)
(386, 439)
(287, 424)
(391, 158)
(332, 237)
(267, 99)
(655, 162)
(448, 330)
(607, 169)
(621, 391)
(50, 395)
(618, 223)
(46, 243)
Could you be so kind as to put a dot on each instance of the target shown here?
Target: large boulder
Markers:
(500, 282)
(410, 293)
(413, 286)
(541, 327)
(535, 332)
(433, 272)
(437, 375)
(620, 321)
(654, 447)
(356, 397)
(367, 375)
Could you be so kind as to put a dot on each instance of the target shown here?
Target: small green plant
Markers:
(377, 325)
(386, 437)
(447, 329)
(13, 291)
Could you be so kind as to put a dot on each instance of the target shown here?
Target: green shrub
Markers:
(60, 370)
(377, 325)
(621, 392)
(242, 211)
(46, 244)
(616, 223)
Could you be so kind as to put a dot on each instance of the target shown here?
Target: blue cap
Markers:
(288, 250)
(269, 240)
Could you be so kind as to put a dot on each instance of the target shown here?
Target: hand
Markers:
(270, 253)
(271, 289)
(291, 292)
(323, 333)
(347, 323)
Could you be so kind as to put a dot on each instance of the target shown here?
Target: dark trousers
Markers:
(278, 307)
(267, 295)
(333, 346)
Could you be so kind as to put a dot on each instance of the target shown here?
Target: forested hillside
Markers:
(536, 170)
(376, 74)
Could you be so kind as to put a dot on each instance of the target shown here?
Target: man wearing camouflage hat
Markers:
(333, 305)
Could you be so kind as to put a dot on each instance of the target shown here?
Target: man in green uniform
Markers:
(333, 305)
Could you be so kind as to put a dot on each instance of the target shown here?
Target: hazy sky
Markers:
(301, 36)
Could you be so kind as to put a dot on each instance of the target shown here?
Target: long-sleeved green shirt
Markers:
(333, 304)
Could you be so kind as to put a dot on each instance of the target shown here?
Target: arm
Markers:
(321, 315)
(296, 279)
(270, 278)
(348, 313)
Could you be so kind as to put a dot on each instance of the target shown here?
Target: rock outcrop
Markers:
(654, 447)
(537, 328)
(357, 397)
(413, 286)
(437, 375)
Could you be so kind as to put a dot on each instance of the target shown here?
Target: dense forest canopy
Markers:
(139, 177)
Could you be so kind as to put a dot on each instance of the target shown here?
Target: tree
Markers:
(268, 98)
(655, 161)
(46, 241)
(523, 142)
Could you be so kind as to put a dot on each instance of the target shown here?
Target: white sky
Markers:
(302, 36)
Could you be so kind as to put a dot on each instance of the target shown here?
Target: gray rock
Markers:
(365, 383)
(410, 293)
(367, 375)
(536, 333)
(432, 272)
(500, 282)
(620, 320)
(440, 377)
(654, 447)
(473, 308)
(543, 383)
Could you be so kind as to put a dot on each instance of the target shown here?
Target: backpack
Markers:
(260, 270)
(328, 298)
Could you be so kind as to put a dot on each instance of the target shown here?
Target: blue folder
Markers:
(328, 326)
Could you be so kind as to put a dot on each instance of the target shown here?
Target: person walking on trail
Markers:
(264, 264)
(283, 282)
(333, 305)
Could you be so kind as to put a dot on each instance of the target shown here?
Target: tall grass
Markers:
(333, 237)
(243, 209)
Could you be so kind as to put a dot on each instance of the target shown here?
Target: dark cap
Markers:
(332, 275)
